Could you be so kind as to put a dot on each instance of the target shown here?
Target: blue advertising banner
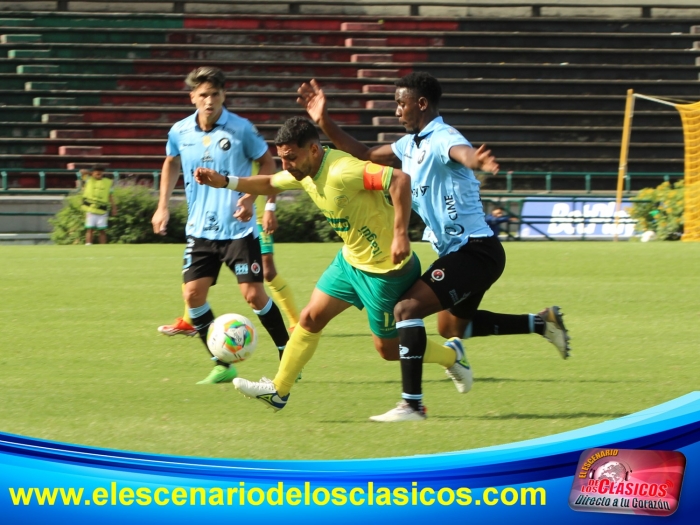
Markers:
(526, 482)
(574, 218)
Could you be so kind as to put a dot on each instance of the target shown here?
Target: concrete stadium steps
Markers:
(516, 39)
(289, 84)
(458, 117)
(382, 103)
(366, 133)
(438, 54)
(376, 71)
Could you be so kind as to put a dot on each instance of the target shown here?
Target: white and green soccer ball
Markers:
(232, 338)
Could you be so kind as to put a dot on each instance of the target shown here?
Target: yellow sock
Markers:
(282, 295)
(437, 353)
(299, 350)
(186, 316)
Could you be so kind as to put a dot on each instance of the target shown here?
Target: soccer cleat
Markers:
(402, 412)
(264, 391)
(554, 331)
(219, 374)
(460, 372)
(178, 327)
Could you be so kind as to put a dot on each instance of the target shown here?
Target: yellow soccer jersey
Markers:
(361, 216)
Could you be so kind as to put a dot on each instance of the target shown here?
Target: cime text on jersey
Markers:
(444, 193)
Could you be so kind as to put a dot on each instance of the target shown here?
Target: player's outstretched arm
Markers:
(475, 159)
(258, 185)
(313, 99)
(400, 190)
(168, 178)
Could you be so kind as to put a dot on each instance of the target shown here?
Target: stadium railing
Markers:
(413, 8)
(38, 181)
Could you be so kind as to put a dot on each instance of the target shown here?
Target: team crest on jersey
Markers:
(341, 201)
(255, 267)
(421, 158)
(225, 144)
(437, 274)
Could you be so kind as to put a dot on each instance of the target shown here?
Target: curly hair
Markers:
(422, 84)
(297, 130)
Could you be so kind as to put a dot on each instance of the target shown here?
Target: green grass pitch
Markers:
(81, 361)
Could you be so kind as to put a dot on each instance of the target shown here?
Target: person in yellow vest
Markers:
(97, 199)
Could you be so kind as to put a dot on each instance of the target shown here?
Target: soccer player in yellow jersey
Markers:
(373, 269)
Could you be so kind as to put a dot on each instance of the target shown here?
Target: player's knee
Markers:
(405, 309)
(195, 297)
(311, 322)
(256, 297)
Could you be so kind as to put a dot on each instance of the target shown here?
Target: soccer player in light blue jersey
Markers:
(440, 162)
(221, 225)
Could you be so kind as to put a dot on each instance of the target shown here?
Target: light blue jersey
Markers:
(445, 193)
(230, 149)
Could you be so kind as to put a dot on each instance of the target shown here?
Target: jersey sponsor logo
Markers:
(207, 157)
(339, 224)
(225, 144)
(419, 191)
(186, 145)
(372, 239)
(255, 268)
(437, 274)
(240, 269)
(212, 222)
(455, 230)
(451, 207)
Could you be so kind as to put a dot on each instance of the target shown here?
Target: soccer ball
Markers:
(232, 338)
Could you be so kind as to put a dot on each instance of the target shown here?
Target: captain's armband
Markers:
(376, 176)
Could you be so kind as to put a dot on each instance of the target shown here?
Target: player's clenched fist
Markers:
(209, 177)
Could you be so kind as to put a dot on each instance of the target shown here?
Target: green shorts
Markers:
(378, 292)
(266, 242)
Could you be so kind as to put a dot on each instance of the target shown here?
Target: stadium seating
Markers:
(546, 93)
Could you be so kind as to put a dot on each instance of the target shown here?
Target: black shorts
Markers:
(203, 258)
(460, 279)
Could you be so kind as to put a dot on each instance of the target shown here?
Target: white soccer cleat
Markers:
(402, 412)
(460, 372)
(554, 331)
(263, 390)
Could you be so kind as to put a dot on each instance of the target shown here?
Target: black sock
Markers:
(412, 342)
(488, 323)
(201, 323)
(271, 318)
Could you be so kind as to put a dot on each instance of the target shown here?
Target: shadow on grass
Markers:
(505, 417)
(479, 380)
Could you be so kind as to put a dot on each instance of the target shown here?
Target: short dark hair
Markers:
(422, 84)
(297, 130)
(202, 75)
